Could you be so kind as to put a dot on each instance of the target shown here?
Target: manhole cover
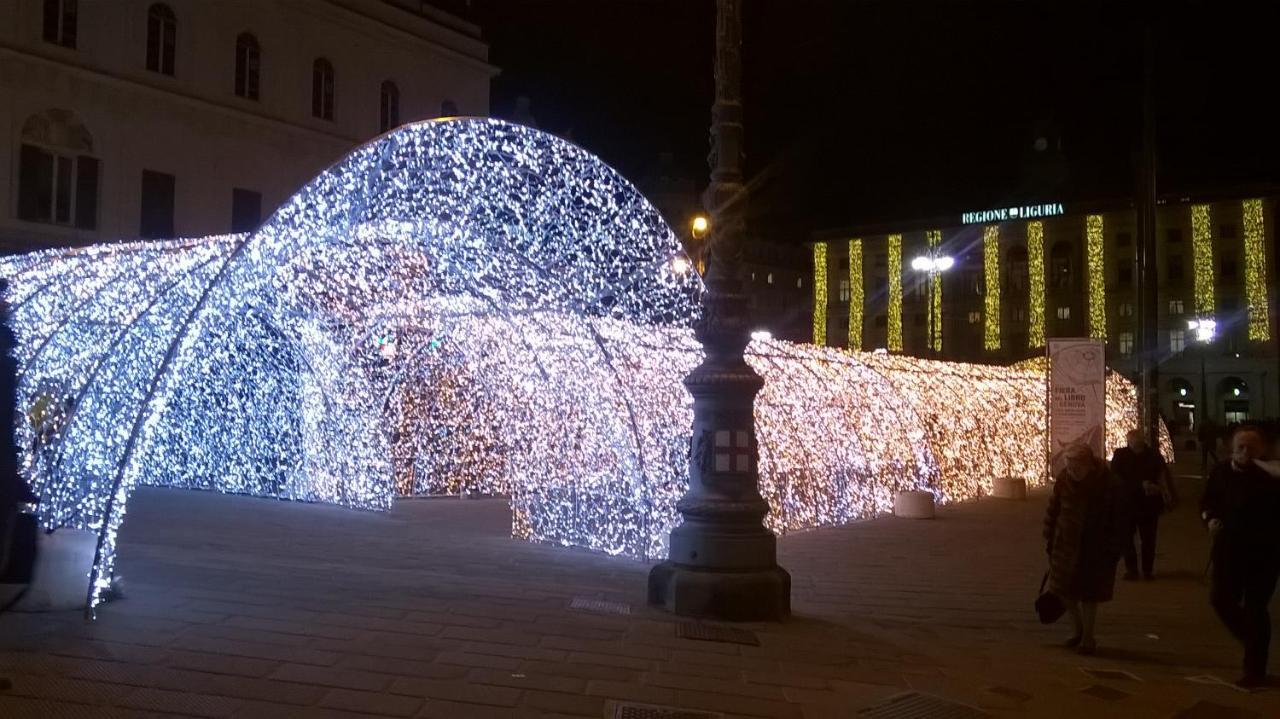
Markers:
(922, 706)
(631, 710)
(1113, 674)
(712, 633)
(599, 605)
(1107, 693)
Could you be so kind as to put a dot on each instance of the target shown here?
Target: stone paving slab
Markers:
(242, 607)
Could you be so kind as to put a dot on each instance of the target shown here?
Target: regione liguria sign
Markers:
(1006, 214)
(1077, 398)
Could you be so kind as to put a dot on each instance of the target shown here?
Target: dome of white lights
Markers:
(465, 305)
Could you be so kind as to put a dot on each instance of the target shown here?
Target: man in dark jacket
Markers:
(1241, 507)
(1146, 484)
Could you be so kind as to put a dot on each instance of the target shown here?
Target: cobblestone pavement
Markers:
(243, 607)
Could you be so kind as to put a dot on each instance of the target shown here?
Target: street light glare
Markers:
(924, 263)
(700, 225)
(921, 264)
(680, 264)
(944, 263)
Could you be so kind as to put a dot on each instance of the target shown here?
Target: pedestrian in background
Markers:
(1241, 508)
(1084, 529)
(1148, 492)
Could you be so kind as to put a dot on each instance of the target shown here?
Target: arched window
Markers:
(60, 22)
(57, 176)
(448, 108)
(247, 58)
(322, 89)
(162, 28)
(389, 115)
(1060, 271)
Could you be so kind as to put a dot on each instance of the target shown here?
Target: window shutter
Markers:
(87, 192)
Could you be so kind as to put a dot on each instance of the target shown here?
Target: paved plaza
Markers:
(243, 607)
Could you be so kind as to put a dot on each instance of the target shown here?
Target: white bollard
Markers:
(913, 504)
(61, 581)
(1009, 488)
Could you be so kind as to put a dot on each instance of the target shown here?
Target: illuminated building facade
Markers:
(102, 100)
(1025, 274)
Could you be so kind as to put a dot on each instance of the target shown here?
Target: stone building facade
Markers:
(131, 118)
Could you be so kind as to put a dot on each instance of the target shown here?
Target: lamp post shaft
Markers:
(722, 561)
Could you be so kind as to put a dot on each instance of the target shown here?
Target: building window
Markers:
(389, 106)
(881, 260)
(1174, 270)
(1125, 309)
(1176, 308)
(1177, 341)
(1126, 344)
(975, 316)
(1019, 314)
(246, 210)
(882, 321)
(1173, 236)
(799, 283)
(1227, 232)
(248, 55)
(1064, 313)
(1228, 268)
(449, 108)
(157, 205)
(57, 178)
(162, 28)
(1124, 239)
(1124, 273)
(1017, 259)
(60, 22)
(844, 290)
(1060, 265)
(322, 89)
(918, 319)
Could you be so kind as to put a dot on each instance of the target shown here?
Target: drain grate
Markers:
(631, 710)
(1107, 693)
(915, 705)
(599, 605)
(1112, 674)
(713, 633)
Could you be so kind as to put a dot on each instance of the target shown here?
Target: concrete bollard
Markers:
(1009, 488)
(913, 504)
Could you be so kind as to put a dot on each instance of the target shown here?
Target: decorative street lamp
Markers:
(933, 265)
(722, 561)
(1204, 328)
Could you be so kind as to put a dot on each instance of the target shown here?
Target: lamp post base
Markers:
(736, 596)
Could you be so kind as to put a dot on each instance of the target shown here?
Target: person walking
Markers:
(1084, 529)
(1148, 492)
(1241, 508)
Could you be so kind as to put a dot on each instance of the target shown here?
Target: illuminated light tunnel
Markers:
(464, 305)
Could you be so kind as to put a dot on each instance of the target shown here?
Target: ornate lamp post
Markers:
(722, 561)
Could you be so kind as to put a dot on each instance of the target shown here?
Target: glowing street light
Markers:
(699, 226)
(681, 265)
(1204, 328)
(933, 265)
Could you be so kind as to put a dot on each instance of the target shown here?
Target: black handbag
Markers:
(1049, 606)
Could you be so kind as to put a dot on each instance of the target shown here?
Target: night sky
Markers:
(859, 112)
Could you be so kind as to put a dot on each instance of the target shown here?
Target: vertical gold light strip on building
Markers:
(856, 294)
(1202, 258)
(934, 238)
(991, 276)
(820, 293)
(895, 293)
(1035, 284)
(1097, 277)
(1255, 271)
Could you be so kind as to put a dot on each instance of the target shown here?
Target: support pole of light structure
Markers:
(722, 562)
(1148, 265)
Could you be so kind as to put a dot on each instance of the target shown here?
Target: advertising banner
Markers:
(1077, 397)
